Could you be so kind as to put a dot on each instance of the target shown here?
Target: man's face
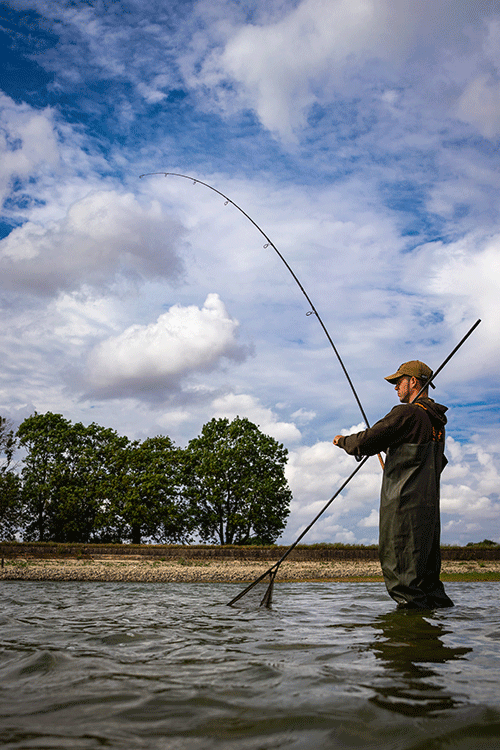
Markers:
(403, 388)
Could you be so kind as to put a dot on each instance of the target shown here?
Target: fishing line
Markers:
(270, 243)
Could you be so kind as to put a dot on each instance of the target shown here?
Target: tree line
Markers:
(78, 483)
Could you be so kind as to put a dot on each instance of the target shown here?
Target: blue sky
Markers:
(361, 136)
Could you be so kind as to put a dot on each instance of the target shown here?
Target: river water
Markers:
(171, 666)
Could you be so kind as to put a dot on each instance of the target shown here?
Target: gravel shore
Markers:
(233, 571)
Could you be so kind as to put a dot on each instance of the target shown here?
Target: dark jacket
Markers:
(420, 422)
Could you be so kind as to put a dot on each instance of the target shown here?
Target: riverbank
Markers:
(230, 571)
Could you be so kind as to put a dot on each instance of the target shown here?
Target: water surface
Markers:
(331, 665)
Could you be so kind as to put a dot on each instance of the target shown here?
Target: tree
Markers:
(70, 472)
(151, 505)
(41, 434)
(10, 485)
(235, 481)
(95, 477)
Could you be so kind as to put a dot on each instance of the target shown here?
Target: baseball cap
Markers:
(415, 369)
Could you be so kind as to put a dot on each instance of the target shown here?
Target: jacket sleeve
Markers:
(384, 433)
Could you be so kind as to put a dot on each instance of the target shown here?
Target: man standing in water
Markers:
(412, 435)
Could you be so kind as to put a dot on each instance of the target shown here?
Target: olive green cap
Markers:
(415, 369)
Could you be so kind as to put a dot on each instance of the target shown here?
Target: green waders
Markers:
(409, 537)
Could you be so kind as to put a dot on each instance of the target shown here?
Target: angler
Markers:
(412, 435)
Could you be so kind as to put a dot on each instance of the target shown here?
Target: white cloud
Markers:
(303, 416)
(103, 236)
(28, 142)
(274, 63)
(370, 521)
(315, 473)
(148, 360)
(233, 405)
(465, 276)
(470, 490)
(307, 55)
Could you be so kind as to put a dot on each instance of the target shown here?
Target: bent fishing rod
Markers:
(270, 243)
(272, 571)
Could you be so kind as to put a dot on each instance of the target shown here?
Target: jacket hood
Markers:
(435, 411)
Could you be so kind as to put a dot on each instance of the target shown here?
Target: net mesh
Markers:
(257, 594)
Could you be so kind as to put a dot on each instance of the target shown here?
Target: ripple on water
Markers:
(171, 666)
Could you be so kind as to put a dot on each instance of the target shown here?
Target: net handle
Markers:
(274, 568)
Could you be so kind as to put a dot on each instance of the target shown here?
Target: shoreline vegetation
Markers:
(199, 563)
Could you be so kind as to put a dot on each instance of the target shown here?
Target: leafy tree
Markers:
(70, 472)
(95, 477)
(41, 435)
(10, 486)
(151, 505)
(235, 481)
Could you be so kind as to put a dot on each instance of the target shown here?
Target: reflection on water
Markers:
(172, 667)
(410, 647)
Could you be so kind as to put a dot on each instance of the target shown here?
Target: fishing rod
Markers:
(272, 571)
(270, 243)
(429, 381)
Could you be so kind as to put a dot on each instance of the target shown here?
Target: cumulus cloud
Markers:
(315, 470)
(149, 360)
(232, 405)
(470, 488)
(102, 236)
(370, 521)
(315, 474)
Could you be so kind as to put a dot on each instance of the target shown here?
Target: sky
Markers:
(361, 137)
